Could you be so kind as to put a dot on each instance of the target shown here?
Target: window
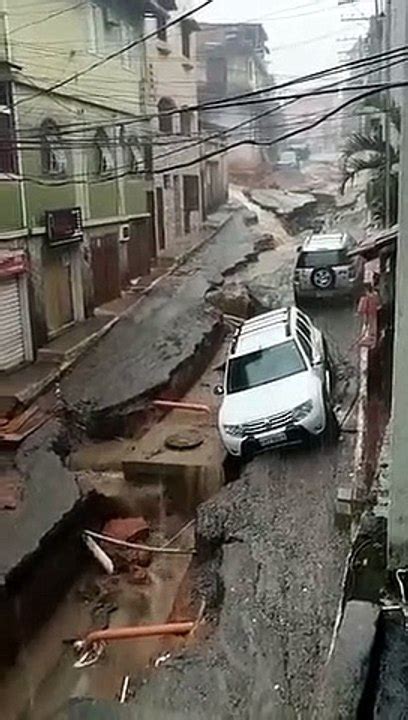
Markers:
(96, 29)
(166, 109)
(162, 31)
(185, 40)
(105, 159)
(264, 366)
(53, 155)
(166, 181)
(134, 160)
(127, 37)
(191, 193)
(185, 121)
(8, 148)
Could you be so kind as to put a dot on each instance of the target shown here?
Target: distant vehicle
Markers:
(288, 159)
(324, 267)
(278, 385)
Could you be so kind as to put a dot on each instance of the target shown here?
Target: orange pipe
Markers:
(176, 405)
(128, 633)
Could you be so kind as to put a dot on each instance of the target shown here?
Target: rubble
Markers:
(289, 205)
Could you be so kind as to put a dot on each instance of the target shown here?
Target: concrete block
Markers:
(348, 668)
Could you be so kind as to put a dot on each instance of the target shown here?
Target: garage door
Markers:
(11, 325)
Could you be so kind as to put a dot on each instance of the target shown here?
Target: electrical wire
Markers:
(117, 53)
(242, 96)
(215, 153)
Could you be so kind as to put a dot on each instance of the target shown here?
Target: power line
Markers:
(213, 104)
(117, 53)
(215, 153)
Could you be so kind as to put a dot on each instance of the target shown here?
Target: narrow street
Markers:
(279, 560)
(270, 555)
(203, 496)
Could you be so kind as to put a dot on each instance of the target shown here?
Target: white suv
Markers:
(277, 386)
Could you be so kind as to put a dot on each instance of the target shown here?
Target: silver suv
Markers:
(324, 267)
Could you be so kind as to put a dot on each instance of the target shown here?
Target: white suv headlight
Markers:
(302, 411)
(234, 430)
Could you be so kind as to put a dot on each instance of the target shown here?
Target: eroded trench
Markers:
(134, 475)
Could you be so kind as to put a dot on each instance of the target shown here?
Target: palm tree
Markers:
(366, 152)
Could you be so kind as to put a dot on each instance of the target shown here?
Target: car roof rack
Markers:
(260, 322)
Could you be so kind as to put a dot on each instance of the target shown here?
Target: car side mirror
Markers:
(299, 249)
(218, 390)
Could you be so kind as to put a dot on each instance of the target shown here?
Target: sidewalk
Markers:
(22, 386)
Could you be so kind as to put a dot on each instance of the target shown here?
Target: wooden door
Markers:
(139, 248)
(151, 209)
(177, 204)
(105, 268)
(160, 218)
(59, 308)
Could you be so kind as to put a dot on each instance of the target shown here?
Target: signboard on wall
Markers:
(13, 262)
(64, 226)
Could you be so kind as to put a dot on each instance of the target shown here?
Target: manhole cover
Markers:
(184, 440)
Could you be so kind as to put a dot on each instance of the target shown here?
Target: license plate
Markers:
(274, 439)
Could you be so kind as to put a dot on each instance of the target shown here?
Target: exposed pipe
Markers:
(100, 555)
(140, 631)
(138, 546)
(177, 405)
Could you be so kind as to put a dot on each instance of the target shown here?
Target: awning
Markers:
(373, 245)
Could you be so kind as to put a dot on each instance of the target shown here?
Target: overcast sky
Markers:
(304, 35)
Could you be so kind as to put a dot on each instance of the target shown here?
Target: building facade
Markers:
(233, 62)
(75, 200)
(172, 69)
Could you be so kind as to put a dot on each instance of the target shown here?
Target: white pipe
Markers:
(100, 555)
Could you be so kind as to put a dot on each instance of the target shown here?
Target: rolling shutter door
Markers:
(11, 326)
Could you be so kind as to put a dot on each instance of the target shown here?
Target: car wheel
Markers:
(323, 278)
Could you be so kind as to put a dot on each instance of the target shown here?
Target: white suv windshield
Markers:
(264, 366)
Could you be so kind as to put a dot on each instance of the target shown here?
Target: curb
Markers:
(350, 497)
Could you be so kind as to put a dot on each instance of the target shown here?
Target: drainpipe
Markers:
(387, 123)
(398, 514)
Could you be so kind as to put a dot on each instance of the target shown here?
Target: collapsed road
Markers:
(271, 559)
(145, 350)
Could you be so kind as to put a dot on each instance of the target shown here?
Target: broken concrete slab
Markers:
(50, 492)
(232, 298)
(347, 671)
(150, 348)
(283, 202)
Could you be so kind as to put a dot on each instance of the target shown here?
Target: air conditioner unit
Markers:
(124, 233)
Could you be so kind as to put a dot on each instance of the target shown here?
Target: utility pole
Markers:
(398, 516)
(387, 118)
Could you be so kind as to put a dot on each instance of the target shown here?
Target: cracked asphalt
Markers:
(280, 564)
(272, 562)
